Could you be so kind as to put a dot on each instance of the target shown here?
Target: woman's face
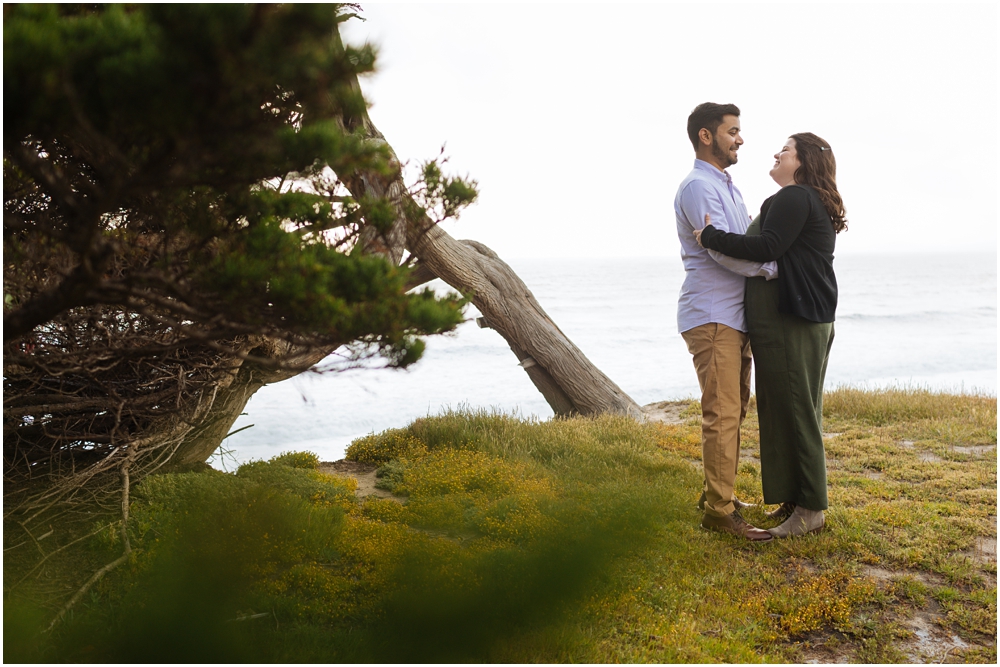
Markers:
(786, 161)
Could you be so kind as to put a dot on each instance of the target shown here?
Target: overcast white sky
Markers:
(572, 117)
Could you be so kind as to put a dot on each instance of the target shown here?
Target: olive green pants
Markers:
(790, 355)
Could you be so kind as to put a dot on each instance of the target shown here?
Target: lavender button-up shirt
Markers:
(714, 284)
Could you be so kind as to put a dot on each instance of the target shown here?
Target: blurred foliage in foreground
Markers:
(280, 562)
(572, 540)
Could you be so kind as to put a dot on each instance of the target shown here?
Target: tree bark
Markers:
(570, 383)
(567, 380)
(230, 399)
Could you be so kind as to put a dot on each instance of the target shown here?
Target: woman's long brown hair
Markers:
(818, 169)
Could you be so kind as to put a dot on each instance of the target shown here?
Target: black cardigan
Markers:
(797, 231)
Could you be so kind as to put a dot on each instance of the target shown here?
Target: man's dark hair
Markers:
(709, 116)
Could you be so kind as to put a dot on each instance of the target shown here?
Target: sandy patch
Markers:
(879, 573)
(364, 473)
(930, 643)
(824, 649)
(667, 412)
(975, 450)
(885, 575)
(984, 550)
(923, 456)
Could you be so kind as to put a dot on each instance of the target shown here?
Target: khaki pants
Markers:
(722, 361)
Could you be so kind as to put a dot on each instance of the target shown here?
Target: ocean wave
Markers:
(987, 314)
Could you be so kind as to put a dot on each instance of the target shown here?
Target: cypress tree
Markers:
(175, 223)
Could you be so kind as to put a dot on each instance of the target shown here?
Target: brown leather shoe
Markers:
(739, 504)
(737, 525)
(783, 512)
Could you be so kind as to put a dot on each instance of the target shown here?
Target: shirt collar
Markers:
(722, 176)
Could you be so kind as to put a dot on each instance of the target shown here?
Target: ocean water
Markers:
(917, 320)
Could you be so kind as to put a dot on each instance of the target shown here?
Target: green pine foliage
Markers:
(149, 152)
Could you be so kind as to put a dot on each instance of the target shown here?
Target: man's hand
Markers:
(697, 232)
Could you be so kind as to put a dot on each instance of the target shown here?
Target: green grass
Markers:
(571, 540)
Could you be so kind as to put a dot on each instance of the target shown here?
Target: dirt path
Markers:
(668, 412)
(364, 473)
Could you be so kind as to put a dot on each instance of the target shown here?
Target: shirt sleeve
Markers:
(768, 270)
(698, 200)
(785, 218)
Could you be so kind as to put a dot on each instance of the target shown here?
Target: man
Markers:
(710, 310)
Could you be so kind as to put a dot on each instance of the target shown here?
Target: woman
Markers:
(790, 322)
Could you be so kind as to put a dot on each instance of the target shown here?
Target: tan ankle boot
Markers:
(801, 522)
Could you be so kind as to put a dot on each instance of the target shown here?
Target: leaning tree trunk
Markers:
(558, 368)
(570, 383)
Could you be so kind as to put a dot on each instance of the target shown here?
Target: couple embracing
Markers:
(766, 286)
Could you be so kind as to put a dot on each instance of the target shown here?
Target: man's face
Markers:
(727, 141)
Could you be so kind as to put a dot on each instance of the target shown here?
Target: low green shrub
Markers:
(390, 476)
(310, 485)
(307, 460)
(380, 448)
(879, 407)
